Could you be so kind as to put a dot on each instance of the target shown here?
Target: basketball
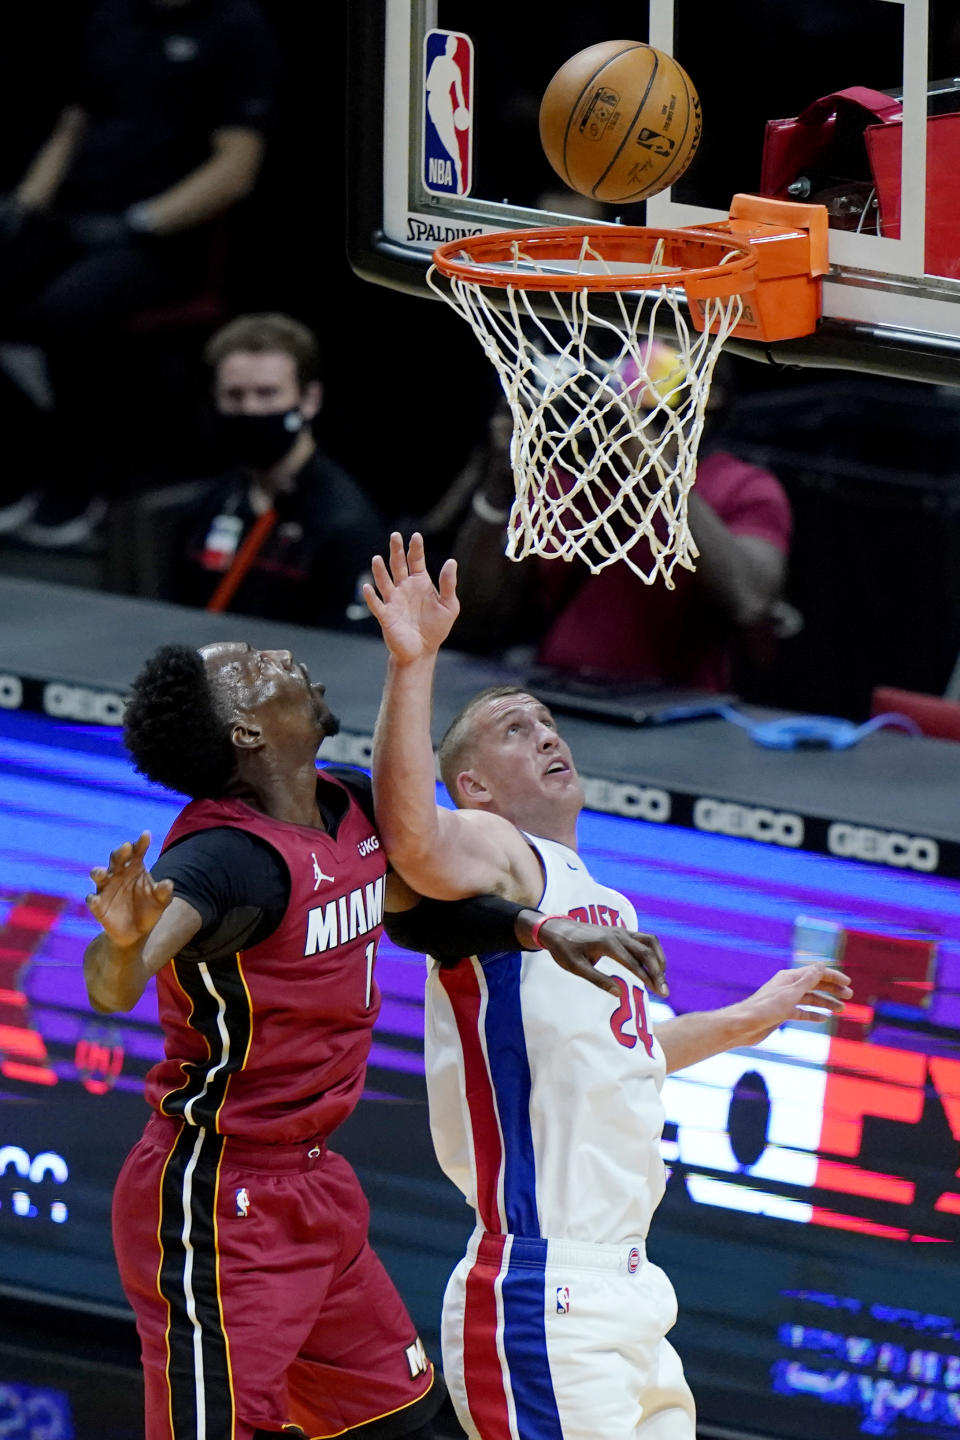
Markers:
(620, 121)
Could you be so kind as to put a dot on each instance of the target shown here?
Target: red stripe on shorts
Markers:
(482, 1370)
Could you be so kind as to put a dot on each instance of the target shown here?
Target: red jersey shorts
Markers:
(260, 1305)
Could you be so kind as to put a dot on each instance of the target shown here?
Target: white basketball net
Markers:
(605, 438)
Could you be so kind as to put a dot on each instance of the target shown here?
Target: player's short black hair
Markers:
(174, 728)
(454, 744)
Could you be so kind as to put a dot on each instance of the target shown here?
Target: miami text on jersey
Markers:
(345, 917)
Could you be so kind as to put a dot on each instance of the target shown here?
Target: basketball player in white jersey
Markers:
(544, 1092)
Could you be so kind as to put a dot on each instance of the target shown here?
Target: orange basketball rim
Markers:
(771, 253)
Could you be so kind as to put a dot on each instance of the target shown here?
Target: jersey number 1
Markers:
(625, 1012)
(371, 956)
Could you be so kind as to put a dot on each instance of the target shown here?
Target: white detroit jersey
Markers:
(544, 1090)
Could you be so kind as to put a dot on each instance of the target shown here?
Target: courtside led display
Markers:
(813, 1201)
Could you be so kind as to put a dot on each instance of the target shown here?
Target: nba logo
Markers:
(633, 1261)
(563, 1299)
(447, 113)
(243, 1202)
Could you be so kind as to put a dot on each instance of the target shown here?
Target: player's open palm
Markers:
(415, 615)
(809, 992)
(128, 902)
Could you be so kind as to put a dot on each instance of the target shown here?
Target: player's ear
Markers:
(311, 399)
(471, 789)
(246, 734)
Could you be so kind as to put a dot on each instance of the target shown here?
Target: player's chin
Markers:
(327, 723)
(563, 786)
(574, 786)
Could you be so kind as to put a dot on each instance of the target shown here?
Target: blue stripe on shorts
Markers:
(525, 1341)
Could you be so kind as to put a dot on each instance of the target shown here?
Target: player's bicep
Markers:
(475, 854)
(176, 927)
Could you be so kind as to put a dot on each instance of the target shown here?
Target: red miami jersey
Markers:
(271, 1043)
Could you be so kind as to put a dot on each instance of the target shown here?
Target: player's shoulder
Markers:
(484, 822)
(223, 845)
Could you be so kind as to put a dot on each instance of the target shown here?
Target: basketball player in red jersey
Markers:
(241, 1239)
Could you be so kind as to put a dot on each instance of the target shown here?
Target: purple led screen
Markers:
(822, 1166)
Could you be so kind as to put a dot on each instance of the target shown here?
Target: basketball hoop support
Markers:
(782, 297)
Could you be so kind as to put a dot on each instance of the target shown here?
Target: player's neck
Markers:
(287, 793)
(548, 825)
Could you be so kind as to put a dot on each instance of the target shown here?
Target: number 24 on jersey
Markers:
(632, 1007)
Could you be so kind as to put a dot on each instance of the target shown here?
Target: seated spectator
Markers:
(612, 625)
(163, 133)
(284, 533)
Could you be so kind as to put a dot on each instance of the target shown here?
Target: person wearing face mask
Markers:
(284, 532)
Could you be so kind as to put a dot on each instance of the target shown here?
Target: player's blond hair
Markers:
(454, 748)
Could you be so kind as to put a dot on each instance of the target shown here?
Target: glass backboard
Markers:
(891, 301)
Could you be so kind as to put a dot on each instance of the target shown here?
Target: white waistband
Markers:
(626, 1256)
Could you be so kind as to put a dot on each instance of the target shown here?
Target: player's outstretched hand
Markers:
(415, 615)
(128, 902)
(809, 992)
(577, 947)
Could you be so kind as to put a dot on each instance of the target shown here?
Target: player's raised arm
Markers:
(441, 853)
(143, 927)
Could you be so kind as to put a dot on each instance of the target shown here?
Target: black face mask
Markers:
(260, 440)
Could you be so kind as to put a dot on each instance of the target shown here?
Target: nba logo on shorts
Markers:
(447, 113)
(243, 1202)
(633, 1261)
(563, 1299)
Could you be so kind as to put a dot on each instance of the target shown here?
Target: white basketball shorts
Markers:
(556, 1340)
